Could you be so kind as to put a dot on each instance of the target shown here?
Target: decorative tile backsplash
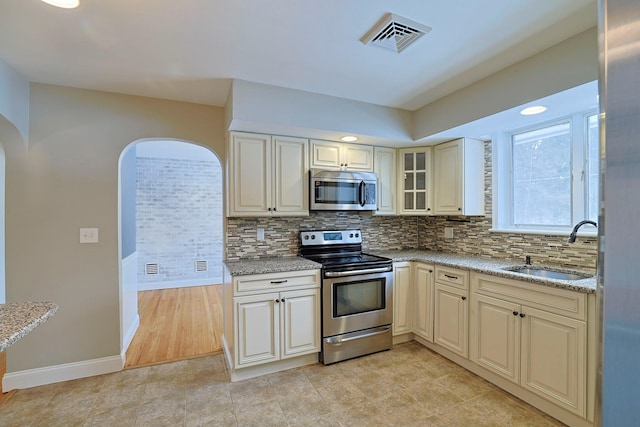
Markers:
(471, 235)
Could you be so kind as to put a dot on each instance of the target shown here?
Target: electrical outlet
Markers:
(88, 235)
(260, 234)
(448, 232)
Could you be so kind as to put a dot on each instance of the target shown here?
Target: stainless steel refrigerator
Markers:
(618, 396)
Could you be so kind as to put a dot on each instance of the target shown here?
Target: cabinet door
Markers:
(257, 329)
(291, 184)
(402, 299)
(554, 358)
(448, 168)
(385, 169)
(326, 155)
(414, 181)
(300, 322)
(423, 314)
(450, 324)
(357, 157)
(495, 336)
(250, 175)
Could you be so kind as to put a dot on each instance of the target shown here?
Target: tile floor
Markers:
(406, 386)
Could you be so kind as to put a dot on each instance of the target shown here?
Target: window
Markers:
(546, 176)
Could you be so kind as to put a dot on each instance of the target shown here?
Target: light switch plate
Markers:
(88, 235)
(448, 232)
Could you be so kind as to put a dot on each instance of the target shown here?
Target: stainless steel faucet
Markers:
(572, 236)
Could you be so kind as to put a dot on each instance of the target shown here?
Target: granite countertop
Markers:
(494, 267)
(270, 265)
(17, 319)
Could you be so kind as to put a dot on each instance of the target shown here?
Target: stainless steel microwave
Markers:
(342, 191)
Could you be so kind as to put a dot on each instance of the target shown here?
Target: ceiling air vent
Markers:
(394, 33)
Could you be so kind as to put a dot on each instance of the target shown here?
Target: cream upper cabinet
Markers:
(402, 298)
(534, 336)
(259, 182)
(414, 181)
(339, 156)
(385, 169)
(458, 174)
(424, 301)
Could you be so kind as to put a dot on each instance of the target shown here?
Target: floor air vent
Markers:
(394, 33)
(201, 266)
(151, 268)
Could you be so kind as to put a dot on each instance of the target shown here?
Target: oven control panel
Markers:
(333, 237)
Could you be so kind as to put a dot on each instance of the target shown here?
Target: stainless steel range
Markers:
(357, 294)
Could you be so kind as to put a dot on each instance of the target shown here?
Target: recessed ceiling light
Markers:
(536, 109)
(349, 138)
(65, 4)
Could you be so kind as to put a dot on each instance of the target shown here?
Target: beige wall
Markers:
(69, 179)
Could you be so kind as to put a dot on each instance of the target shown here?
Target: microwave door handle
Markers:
(362, 193)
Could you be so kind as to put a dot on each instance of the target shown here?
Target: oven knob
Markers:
(351, 235)
(357, 235)
(306, 237)
(313, 237)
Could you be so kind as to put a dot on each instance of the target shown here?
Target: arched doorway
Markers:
(171, 230)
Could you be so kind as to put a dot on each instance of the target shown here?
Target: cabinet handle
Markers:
(450, 277)
(515, 313)
(276, 282)
(522, 315)
(464, 298)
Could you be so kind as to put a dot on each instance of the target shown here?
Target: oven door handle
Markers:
(357, 336)
(357, 272)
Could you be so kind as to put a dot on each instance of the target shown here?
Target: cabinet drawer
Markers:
(453, 277)
(559, 301)
(257, 283)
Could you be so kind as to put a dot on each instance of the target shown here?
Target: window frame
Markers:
(502, 179)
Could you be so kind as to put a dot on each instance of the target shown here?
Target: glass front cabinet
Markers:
(415, 183)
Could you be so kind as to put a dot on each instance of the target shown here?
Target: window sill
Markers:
(592, 234)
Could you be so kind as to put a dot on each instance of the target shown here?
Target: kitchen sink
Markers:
(550, 273)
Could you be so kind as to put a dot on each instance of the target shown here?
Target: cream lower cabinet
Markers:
(402, 298)
(536, 338)
(451, 303)
(277, 326)
(424, 301)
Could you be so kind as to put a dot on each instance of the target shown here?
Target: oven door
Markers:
(355, 302)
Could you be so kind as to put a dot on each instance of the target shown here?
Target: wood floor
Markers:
(177, 324)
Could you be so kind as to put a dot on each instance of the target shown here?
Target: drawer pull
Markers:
(522, 315)
(515, 313)
(277, 282)
(451, 277)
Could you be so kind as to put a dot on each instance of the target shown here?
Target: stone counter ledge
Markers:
(17, 319)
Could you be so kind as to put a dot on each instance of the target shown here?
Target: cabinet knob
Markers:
(464, 298)
(515, 313)
(459, 209)
(430, 271)
(282, 299)
(269, 209)
(274, 209)
(522, 315)
(428, 209)
(277, 301)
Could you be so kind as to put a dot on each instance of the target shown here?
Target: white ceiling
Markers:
(189, 50)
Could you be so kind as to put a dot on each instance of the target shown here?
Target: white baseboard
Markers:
(150, 286)
(64, 372)
(128, 337)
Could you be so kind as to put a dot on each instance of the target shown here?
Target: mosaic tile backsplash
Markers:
(471, 235)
